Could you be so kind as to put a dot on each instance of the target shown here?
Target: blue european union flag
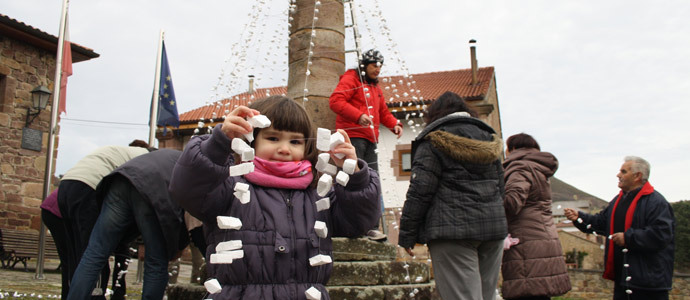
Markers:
(167, 105)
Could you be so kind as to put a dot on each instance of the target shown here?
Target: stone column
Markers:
(328, 59)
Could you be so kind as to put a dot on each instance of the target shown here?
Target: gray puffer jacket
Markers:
(456, 189)
(277, 232)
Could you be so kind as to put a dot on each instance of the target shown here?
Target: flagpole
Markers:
(48, 174)
(156, 89)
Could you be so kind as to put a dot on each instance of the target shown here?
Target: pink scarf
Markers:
(283, 175)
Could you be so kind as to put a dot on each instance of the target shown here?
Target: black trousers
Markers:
(57, 229)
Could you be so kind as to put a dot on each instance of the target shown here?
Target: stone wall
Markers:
(586, 243)
(22, 68)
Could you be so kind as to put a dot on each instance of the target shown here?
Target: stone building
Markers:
(27, 61)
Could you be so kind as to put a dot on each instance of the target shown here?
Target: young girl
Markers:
(277, 232)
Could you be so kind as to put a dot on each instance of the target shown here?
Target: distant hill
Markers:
(562, 192)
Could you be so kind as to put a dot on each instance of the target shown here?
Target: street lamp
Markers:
(39, 99)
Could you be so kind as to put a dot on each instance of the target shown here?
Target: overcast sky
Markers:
(592, 81)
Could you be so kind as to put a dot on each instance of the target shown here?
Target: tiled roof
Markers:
(32, 35)
(430, 86)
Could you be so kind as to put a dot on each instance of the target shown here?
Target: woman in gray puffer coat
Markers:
(535, 267)
(455, 200)
(278, 238)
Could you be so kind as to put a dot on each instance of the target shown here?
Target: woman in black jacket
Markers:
(455, 200)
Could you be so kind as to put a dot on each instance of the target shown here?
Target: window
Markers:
(402, 162)
(406, 161)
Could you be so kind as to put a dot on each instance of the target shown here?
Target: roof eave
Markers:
(20, 31)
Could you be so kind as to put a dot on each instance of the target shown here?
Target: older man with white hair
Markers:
(640, 226)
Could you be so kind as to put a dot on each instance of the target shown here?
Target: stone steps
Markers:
(362, 270)
(345, 249)
(378, 273)
(388, 292)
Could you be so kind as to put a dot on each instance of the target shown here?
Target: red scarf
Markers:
(646, 190)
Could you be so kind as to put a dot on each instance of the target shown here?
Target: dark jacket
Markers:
(349, 102)
(150, 175)
(456, 187)
(277, 233)
(649, 240)
(535, 266)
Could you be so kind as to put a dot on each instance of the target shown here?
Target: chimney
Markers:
(251, 84)
(473, 60)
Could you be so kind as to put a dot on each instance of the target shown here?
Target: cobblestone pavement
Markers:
(19, 284)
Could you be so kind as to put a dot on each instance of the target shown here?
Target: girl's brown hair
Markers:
(288, 115)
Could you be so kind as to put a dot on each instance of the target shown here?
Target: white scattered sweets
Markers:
(241, 187)
(323, 204)
(559, 207)
(337, 139)
(322, 163)
(239, 145)
(419, 279)
(259, 121)
(610, 236)
(324, 185)
(213, 286)
(321, 229)
(325, 157)
(235, 254)
(244, 197)
(312, 294)
(229, 245)
(241, 169)
(330, 169)
(247, 154)
(349, 166)
(323, 139)
(228, 222)
(342, 178)
(221, 258)
(320, 259)
(249, 136)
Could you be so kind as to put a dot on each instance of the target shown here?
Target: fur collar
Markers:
(467, 150)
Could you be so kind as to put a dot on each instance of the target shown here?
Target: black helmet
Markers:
(371, 56)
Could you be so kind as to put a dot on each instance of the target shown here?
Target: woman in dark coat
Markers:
(455, 200)
(535, 267)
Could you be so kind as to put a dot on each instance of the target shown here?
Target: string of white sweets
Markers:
(624, 250)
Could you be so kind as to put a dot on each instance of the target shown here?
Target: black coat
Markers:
(649, 240)
(456, 187)
(150, 174)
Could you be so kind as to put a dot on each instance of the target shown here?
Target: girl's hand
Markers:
(344, 148)
(235, 124)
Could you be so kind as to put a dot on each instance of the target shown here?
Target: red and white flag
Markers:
(66, 67)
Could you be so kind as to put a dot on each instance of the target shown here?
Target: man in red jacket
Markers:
(360, 108)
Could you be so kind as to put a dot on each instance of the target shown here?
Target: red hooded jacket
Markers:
(349, 102)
